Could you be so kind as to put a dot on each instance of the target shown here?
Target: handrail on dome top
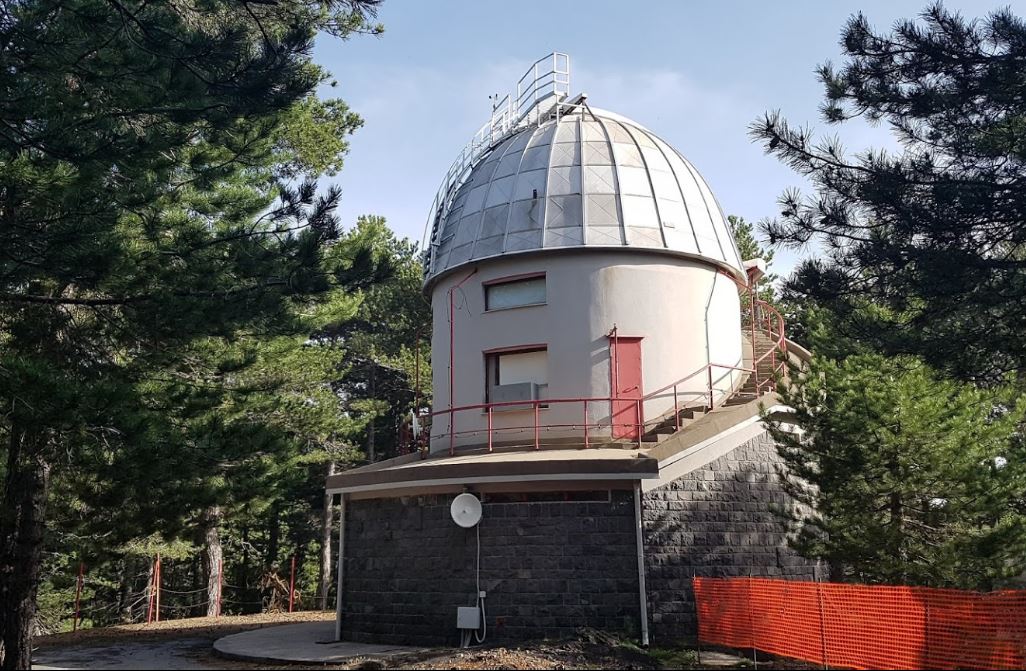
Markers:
(545, 83)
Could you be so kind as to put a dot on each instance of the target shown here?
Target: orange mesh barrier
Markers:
(865, 626)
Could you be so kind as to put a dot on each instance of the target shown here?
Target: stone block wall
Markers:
(717, 521)
(548, 568)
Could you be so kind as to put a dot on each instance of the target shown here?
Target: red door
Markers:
(625, 372)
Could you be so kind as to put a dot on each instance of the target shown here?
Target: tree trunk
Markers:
(214, 558)
(273, 535)
(22, 516)
(128, 567)
(326, 534)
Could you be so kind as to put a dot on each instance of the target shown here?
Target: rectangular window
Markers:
(516, 375)
(515, 293)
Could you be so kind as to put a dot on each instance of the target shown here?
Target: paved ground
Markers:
(284, 643)
(310, 642)
(183, 653)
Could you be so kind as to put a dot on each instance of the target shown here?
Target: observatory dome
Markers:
(586, 179)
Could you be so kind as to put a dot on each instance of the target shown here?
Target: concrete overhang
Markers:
(473, 468)
(700, 443)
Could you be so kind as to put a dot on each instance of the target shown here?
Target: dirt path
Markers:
(184, 653)
(172, 644)
(188, 644)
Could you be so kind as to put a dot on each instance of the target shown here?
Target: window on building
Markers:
(516, 375)
(515, 293)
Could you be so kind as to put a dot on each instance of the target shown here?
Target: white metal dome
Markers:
(584, 179)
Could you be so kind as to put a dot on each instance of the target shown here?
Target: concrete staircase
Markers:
(666, 426)
(763, 344)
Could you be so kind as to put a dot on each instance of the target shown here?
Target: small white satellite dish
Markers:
(466, 510)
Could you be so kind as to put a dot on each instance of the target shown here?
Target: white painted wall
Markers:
(662, 298)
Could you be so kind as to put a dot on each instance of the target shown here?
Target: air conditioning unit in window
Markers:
(519, 391)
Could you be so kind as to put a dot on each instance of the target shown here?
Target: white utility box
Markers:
(468, 618)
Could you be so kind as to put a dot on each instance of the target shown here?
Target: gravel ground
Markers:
(187, 644)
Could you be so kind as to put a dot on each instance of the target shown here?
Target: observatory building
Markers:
(599, 362)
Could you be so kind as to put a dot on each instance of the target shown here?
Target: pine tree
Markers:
(926, 248)
(140, 209)
(751, 248)
(903, 477)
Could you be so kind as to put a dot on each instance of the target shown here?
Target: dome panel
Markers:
(543, 136)
(566, 153)
(589, 178)
(599, 179)
(592, 132)
(531, 185)
(597, 153)
(535, 158)
(634, 181)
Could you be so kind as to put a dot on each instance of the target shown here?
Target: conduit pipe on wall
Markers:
(708, 337)
(452, 360)
(341, 559)
(642, 590)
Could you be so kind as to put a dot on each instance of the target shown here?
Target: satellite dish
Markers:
(465, 510)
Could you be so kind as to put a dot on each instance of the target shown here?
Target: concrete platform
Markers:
(310, 642)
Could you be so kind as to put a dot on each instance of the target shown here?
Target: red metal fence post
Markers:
(78, 595)
(586, 423)
(156, 608)
(489, 428)
(292, 584)
(641, 424)
(220, 584)
(153, 592)
(676, 410)
(822, 624)
(537, 443)
(710, 388)
(452, 432)
(751, 624)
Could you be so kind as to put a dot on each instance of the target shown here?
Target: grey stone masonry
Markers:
(547, 568)
(717, 521)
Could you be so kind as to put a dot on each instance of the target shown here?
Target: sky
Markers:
(696, 74)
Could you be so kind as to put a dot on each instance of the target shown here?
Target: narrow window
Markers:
(516, 375)
(515, 293)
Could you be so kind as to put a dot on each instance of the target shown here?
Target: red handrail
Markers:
(764, 318)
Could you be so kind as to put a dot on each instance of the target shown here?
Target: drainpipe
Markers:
(708, 337)
(642, 591)
(452, 360)
(614, 377)
(341, 559)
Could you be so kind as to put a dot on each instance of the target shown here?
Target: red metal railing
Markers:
(758, 316)
(535, 427)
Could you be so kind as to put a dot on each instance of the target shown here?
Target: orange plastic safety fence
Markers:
(865, 626)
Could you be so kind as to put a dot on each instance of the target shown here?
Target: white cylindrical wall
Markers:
(686, 312)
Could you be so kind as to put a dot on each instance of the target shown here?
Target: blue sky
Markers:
(694, 73)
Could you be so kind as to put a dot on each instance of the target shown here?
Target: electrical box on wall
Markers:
(468, 617)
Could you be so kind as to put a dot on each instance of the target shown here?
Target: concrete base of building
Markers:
(551, 562)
